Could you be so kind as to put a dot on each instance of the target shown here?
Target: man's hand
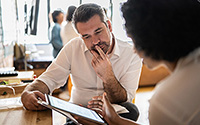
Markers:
(32, 93)
(102, 65)
(103, 68)
(96, 103)
(30, 98)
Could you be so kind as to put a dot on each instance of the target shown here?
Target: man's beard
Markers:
(103, 45)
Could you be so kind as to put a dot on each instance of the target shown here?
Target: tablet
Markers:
(73, 109)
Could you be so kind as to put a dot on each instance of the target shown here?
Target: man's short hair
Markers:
(55, 14)
(163, 29)
(86, 11)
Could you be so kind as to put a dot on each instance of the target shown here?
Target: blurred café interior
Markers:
(25, 48)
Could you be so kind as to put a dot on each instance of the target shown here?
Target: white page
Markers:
(75, 109)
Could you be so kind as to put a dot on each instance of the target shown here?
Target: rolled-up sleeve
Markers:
(58, 71)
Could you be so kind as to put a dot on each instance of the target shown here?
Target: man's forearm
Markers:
(115, 91)
(38, 85)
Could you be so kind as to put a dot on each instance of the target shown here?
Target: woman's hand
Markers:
(108, 111)
(111, 117)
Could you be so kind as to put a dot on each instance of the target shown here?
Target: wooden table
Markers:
(20, 116)
(15, 114)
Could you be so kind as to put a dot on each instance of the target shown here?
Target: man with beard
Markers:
(97, 62)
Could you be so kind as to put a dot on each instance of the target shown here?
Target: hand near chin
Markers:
(101, 64)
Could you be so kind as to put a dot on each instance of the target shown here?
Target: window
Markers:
(42, 31)
(9, 21)
(42, 25)
(118, 21)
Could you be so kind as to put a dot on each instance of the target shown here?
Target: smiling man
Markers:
(97, 62)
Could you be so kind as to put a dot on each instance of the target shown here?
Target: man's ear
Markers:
(109, 25)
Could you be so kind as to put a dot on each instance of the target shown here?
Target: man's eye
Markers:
(98, 32)
(86, 37)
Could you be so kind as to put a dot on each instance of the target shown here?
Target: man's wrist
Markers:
(109, 79)
(24, 93)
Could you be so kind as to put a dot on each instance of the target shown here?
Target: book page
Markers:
(120, 109)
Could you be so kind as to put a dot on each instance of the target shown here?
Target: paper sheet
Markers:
(9, 103)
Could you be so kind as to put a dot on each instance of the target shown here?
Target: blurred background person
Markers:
(68, 32)
(55, 38)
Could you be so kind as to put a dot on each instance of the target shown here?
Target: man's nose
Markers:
(95, 40)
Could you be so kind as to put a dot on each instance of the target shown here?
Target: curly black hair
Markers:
(163, 29)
